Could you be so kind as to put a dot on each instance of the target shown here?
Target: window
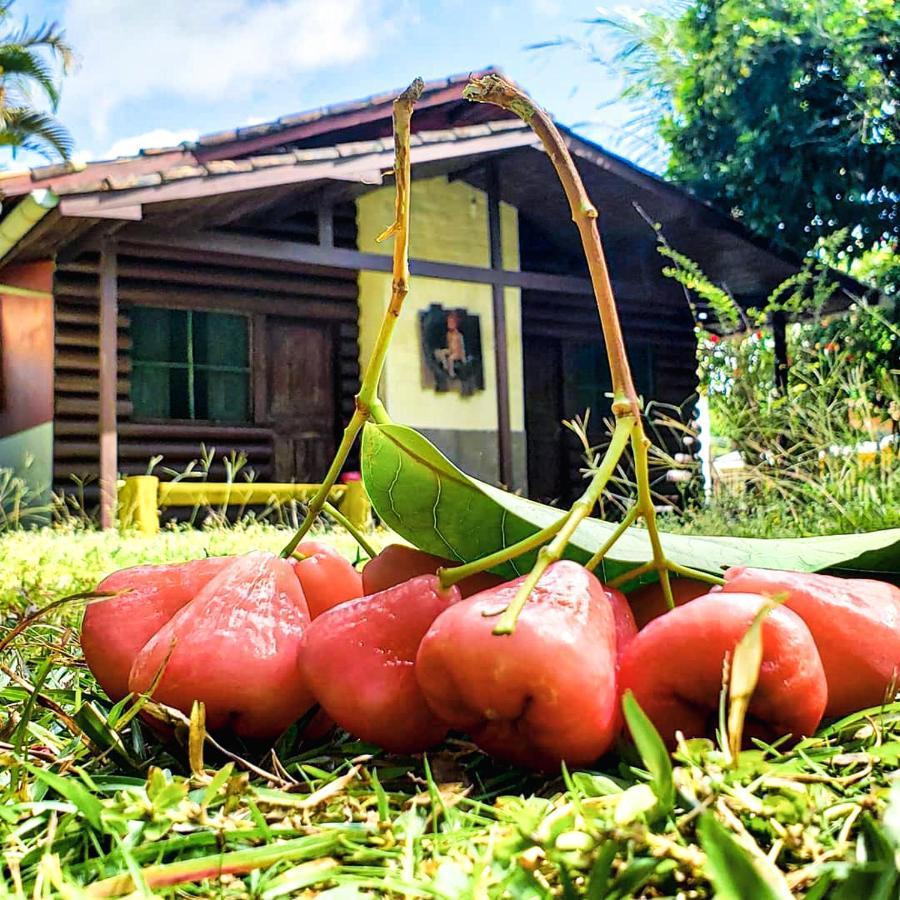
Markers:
(190, 365)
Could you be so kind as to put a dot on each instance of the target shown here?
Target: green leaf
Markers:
(73, 791)
(422, 496)
(735, 874)
(653, 752)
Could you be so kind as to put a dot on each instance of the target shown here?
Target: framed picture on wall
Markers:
(451, 350)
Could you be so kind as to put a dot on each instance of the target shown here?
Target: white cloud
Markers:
(198, 50)
(157, 137)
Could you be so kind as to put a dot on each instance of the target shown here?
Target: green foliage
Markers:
(28, 57)
(733, 871)
(653, 753)
(821, 449)
(783, 113)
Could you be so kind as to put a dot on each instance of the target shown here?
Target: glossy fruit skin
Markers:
(626, 627)
(648, 602)
(398, 563)
(327, 578)
(674, 669)
(854, 622)
(543, 694)
(114, 630)
(236, 646)
(359, 661)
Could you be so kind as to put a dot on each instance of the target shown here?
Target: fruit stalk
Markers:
(580, 510)
(626, 405)
(368, 406)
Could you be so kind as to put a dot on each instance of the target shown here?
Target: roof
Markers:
(303, 128)
(352, 143)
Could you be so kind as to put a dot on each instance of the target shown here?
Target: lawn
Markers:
(93, 805)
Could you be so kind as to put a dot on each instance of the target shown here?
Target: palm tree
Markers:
(28, 62)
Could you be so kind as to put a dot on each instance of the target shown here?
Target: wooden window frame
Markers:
(192, 368)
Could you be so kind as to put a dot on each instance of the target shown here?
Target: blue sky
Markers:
(155, 72)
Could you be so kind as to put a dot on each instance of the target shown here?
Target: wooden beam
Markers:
(109, 313)
(234, 245)
(326, 225)
(501, 360)
(72, 209)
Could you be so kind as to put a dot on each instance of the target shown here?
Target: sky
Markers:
(158, 72)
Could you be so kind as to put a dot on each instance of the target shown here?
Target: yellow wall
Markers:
(449, 224)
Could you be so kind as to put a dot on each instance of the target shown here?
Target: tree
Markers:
(783, 113)
(28, 58)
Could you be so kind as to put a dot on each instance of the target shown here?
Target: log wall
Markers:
(159, 277)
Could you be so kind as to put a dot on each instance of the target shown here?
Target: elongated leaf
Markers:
(733, 872)
(653, 752)
(74, 791)
(422, 496)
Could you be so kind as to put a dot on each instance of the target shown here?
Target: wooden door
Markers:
(301, 407)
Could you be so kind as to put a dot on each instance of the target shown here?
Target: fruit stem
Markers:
(351, 529)
(581, 508)
(622, 527)
(626, 405)
(368, 406)
(455, 574)
(496, 90)
(640, 445)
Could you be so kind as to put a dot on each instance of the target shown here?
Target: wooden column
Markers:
(109, 374)
(326, 225)
(504, 429)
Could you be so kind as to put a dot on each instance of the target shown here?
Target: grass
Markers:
(92, 805)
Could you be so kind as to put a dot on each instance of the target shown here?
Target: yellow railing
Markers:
(142, 496)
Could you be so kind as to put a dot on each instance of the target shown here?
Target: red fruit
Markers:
(648, 602)
(359, 662)
(398, 563)
(326, 577)
(543, 694)
(855, 624)
(626, 628)
(674, 668)
(236, 646)
(114, 630)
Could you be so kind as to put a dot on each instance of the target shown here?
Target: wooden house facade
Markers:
(225, 293)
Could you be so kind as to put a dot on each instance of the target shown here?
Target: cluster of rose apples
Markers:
(397, 661)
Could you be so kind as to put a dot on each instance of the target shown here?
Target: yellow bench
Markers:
(142, 496)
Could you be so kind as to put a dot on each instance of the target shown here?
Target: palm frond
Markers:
(48, 35)
(22, 66)
(30, 129)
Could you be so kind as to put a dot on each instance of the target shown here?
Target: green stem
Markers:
(631, 574)
(687, 572)
(639, 446)
(367, 403)
(622, 527)
(351, 529)
(354, 426)
(456, 574)
(579, 511)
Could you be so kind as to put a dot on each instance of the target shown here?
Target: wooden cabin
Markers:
(225, 293)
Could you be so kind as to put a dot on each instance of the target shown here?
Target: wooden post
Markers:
(326, 225)
(109, 374)
(504, 430)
